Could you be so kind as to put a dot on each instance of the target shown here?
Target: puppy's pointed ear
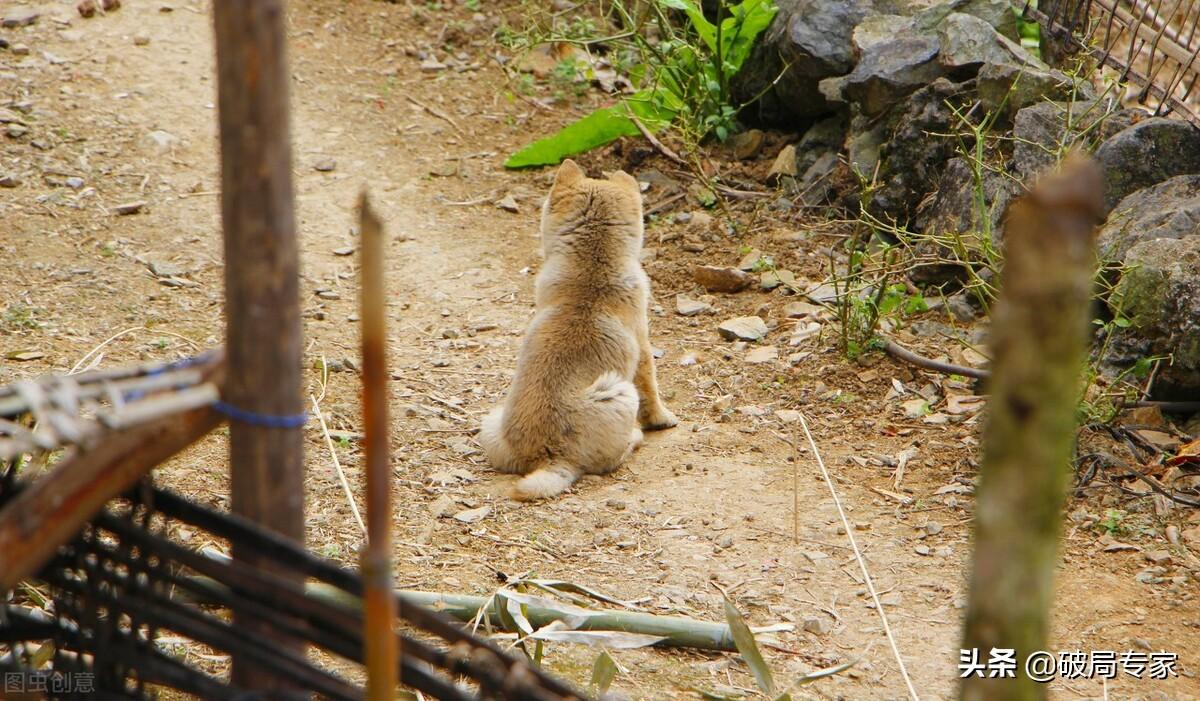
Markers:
(626, 181)
(569, 173)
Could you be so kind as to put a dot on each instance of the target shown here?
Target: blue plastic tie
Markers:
(265, 420)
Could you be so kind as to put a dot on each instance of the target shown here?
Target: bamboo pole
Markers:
(379, 635)
(1039, 337)
(263, 332)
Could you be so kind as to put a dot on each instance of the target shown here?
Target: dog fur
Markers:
(585, 386)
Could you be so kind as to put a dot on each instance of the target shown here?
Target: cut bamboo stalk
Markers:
(1039, 337)
(676, 631)
(379, 635)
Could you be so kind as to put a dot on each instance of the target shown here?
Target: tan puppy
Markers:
(585, 384)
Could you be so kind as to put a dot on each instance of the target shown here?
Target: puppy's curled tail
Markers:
(545, 482)
(608, 409)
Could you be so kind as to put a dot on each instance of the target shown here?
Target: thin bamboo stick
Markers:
(380, 619)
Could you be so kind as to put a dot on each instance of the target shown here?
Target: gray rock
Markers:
(816, 186)
(812, 38)
(1168, 210)
(826, 136)
(961, 308)
(1009, 87)
(162, 140)
(746, 145)
(127, 208)
(686, 306)
(874, 30)
(913, 159)
(19, 17)
(997, 13)
(1147, 153)
(967, 42)
(1044, 130)
(956, 213)
(743, 328)
(890, 71)
(864, 142)
(784, 165)
(818, 625)
(1159, 292)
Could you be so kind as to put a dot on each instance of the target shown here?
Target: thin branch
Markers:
(662, 148)
(901, 353)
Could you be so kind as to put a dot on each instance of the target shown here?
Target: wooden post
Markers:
(1039, 339)
(263, 333)
(379, 636)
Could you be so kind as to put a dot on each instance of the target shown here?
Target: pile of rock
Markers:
(884, 90)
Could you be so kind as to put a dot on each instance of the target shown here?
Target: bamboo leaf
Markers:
(560, 585)
(503, 613)
(513, 608)
(824, 672)
(744, 640)
(559, 607)
(604, 670)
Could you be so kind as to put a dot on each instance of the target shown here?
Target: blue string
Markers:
(265, 420)
(229, 410)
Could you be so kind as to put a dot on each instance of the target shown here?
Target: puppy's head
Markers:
(580, 208)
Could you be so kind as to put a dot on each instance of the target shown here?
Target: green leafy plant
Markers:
(1029, 31)
(1113, 522)
(683, 78)
(20, 316)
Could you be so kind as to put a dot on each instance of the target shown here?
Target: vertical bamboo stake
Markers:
(1039, 334)
(263, 333)
(381, 651)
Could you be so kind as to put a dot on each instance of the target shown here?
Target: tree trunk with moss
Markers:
(1039, 336)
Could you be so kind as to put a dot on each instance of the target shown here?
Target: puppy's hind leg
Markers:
(491, 437)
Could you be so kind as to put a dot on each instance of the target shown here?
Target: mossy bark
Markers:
(1039, 335)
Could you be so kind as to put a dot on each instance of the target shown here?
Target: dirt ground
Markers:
(125, 102)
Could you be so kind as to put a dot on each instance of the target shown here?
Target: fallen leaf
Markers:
(25, 355)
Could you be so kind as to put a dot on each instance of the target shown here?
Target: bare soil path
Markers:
(702, 506)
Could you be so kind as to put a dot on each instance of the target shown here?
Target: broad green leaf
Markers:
(746, 645)
(704, 29)
(604, 670)
(605, 125)
(741, 29)
(593, 131)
